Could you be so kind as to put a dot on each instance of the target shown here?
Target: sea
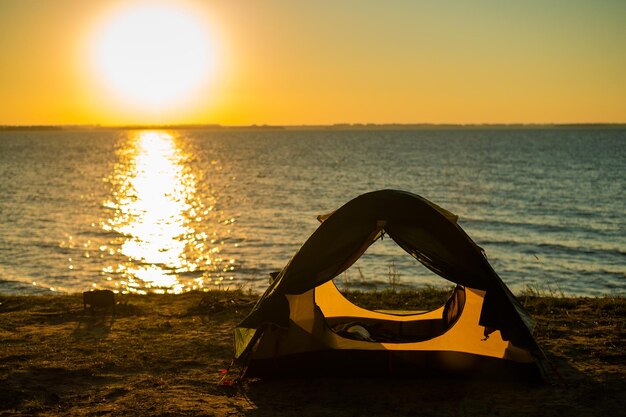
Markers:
(170, 211)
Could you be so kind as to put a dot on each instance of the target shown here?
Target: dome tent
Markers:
(302, 322)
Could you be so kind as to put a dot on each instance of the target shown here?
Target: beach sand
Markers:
(163, 355)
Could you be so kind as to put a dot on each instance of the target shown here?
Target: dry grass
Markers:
(162, 355)
(427, 298)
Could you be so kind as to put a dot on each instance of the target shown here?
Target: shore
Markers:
(165, 354)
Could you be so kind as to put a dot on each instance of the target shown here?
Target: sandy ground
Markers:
(162, 355)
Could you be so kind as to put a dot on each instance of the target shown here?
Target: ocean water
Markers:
(169, 211)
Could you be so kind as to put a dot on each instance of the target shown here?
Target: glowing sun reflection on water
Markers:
(155, 209)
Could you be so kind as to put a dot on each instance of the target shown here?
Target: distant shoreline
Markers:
(338, 126)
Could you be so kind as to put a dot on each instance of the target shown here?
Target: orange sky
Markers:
(299, 62)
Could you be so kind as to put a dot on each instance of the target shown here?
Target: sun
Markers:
(153, 55)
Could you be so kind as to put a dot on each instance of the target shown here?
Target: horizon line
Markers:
(366, 125)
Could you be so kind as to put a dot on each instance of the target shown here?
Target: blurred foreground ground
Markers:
(162, 355)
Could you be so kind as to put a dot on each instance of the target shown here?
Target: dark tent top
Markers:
(427, 232)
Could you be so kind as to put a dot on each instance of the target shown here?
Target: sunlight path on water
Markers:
(155, 206)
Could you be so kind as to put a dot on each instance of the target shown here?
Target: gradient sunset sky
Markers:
(313, 62)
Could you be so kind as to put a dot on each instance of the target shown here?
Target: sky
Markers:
(293, 62)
